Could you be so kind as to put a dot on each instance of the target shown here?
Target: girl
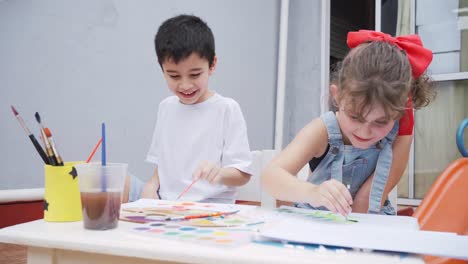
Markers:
(350, 150)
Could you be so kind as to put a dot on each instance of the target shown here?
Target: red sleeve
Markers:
(407, 120)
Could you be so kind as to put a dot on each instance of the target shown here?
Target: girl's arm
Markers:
(278, 178)
(400, 156)
(150, 190)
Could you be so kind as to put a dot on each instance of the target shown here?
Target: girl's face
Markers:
(364, 133)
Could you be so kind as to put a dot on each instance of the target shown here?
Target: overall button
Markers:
(335, 150)
(379, 145)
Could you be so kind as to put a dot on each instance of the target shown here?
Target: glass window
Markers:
(443, 27)
(435, 129)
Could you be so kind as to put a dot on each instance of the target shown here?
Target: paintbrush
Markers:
(348, 186)
(31, 136)
(49, 152)
(186, 189)
(48, 133)
(188, 217)
(94, 151)
(103, 158)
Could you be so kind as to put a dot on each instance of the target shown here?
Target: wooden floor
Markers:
(12, 254)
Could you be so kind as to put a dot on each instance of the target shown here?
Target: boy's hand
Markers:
(208, 171)
(150, 191)
(333, 195)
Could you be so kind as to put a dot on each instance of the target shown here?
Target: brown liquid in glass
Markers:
(100, 209)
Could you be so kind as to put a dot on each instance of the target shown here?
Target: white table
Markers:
(54, 243)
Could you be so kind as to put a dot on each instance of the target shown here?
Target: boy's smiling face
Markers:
(188, 79)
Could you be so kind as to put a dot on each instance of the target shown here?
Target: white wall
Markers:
(79, 63)
(303, 75)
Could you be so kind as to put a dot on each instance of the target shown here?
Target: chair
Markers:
(445, 207)
(253, 191)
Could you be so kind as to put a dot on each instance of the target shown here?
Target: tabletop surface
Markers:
(122, 242)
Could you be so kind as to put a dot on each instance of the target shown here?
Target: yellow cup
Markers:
(62, 201)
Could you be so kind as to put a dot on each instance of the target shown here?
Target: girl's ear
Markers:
(334, 92)
(333, 99)
(213, 65)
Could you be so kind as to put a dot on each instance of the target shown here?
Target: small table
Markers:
(53, 243)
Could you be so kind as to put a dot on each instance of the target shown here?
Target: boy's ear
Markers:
(213, 65)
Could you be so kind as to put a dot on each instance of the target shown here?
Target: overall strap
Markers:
(336, 145)
(382, 169)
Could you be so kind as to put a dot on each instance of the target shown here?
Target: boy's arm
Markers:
(400, 156)
(233, 177)
(236, 155)
(150, 190)
(212, 173)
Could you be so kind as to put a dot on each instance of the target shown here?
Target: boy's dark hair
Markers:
(180, 36)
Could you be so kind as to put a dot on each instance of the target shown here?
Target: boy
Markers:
(199, 135)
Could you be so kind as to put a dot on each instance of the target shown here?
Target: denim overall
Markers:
(352, 166)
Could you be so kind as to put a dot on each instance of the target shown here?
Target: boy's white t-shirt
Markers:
(185, 135)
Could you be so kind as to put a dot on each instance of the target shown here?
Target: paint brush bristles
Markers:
(48, 133)
(20, 120)
(49, 152)
(31, 136)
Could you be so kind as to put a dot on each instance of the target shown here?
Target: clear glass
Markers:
(101, 193)
(435, 129)
(443, 28)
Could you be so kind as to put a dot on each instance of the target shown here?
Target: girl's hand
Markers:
(208, 171)
(334, 196)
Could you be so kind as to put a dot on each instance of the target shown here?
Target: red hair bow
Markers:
(418, 56)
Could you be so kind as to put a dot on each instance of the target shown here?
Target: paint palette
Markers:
(316, 215)
(154, 214)
(234, 220)
(156, 210)
(222, 231)
(219, 237)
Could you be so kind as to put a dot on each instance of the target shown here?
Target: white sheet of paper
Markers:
(371, 232)
(399, 222)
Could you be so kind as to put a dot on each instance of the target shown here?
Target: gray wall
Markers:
(79, 63)
(302, 100)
